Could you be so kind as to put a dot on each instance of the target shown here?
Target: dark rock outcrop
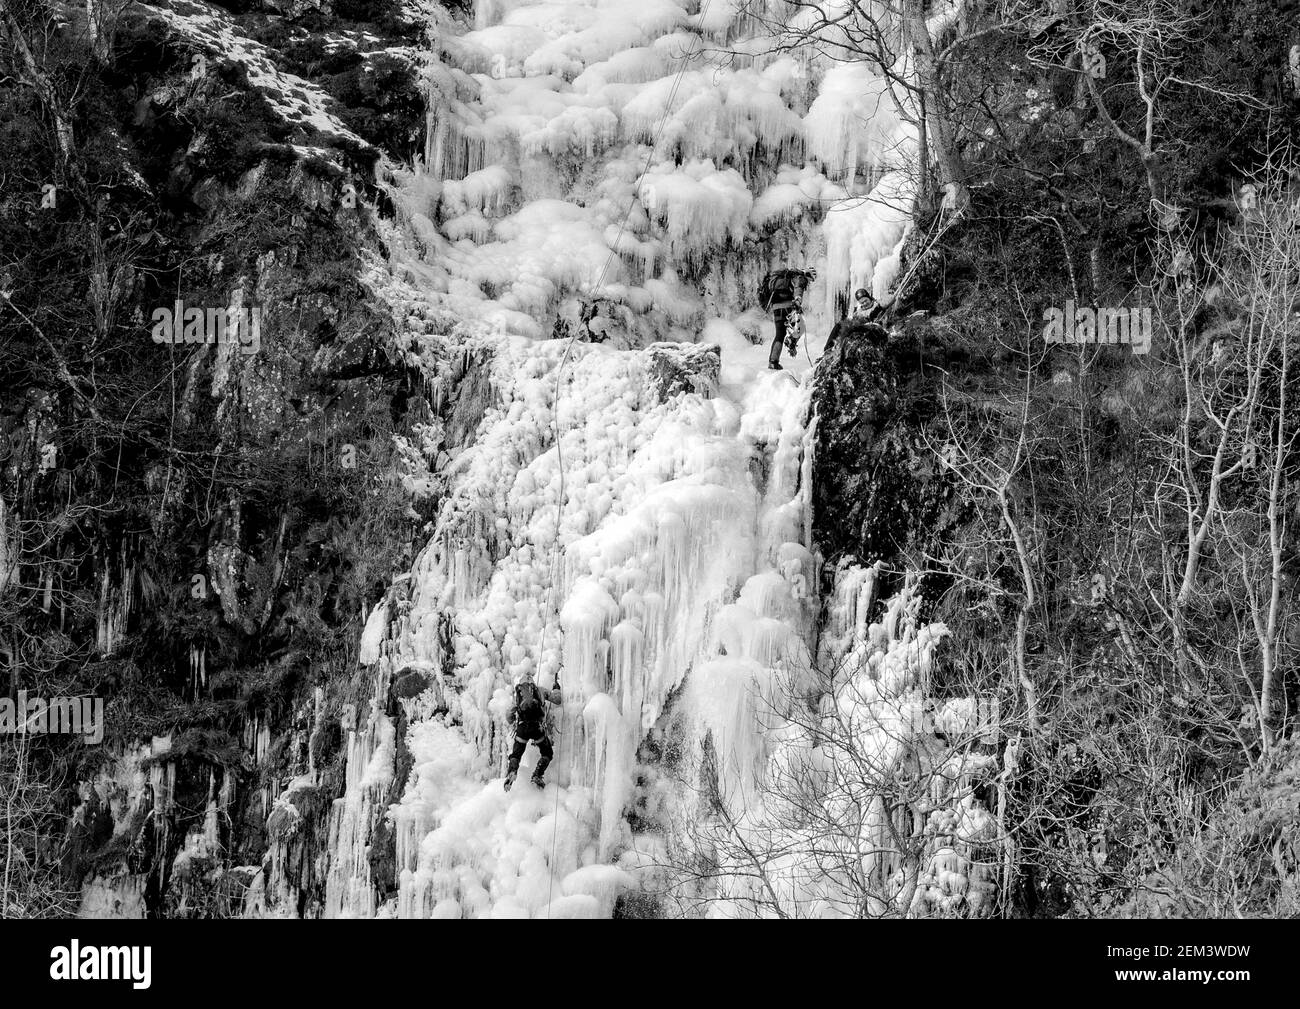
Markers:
(209, 584)
(880, 492)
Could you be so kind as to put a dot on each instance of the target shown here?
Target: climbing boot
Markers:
(539, 781)
(510, 780)
(774, 366)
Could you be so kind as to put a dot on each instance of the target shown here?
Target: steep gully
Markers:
(635, 515)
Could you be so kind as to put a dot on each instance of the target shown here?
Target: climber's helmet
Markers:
(862, 296)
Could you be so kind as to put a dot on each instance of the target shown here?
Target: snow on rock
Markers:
(299, 102)
(677, 368)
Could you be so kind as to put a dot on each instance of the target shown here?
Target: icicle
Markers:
(627, 645)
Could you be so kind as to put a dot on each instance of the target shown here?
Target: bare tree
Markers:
(1123, 49)
(1220, 597)
(908, 47)
(33, 884)
(989, 460)
(877, 798)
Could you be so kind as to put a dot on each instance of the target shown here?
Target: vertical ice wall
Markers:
(676, 503)
(648, 159)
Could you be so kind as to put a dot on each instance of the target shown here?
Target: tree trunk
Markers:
(938, 127)
(24, 65)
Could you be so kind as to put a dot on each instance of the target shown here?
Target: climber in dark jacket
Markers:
(864, 319)
(529, 717)
(781, 293)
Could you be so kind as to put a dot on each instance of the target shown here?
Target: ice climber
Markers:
(866, 307)
(781, 293)
(531, 720)
(863, 320)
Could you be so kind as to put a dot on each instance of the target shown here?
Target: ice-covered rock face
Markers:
(653, 156)
(677, 594)
(671, 504)
(633, 523)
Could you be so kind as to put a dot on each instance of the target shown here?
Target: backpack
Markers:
(529, 705)
(776, 288)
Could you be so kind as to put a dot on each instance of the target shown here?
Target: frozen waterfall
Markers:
(634, 516)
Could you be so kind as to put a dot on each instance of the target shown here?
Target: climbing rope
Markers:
(933, 238)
